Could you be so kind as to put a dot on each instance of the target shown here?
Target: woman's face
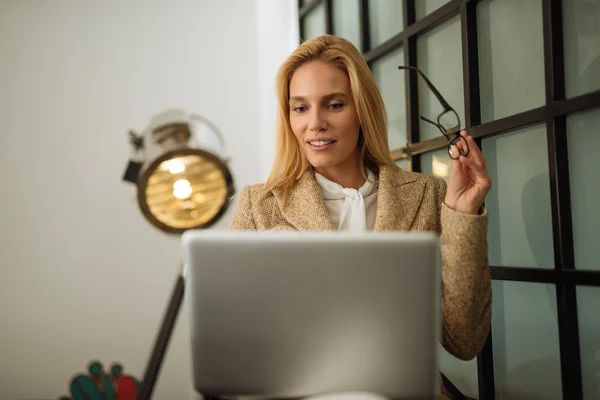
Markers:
(323, 116)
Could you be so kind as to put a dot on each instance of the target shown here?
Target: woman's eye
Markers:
(336, 106)
(299, 109)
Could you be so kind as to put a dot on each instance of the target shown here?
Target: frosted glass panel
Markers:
(314, 22)
(424, 7)
(511, 57)
(386, 19)
(404, 164)
(437, 163)
(588, 299)
(391, 84)
(583, 138)
(581, 21)
(462, 374)
(440, 58)
(346, 21)
(520, 215)
(525, 341)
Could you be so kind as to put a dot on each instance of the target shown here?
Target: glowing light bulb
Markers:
(176, 167)
(182, 189)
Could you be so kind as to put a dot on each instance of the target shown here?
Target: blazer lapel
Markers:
(304, 207)
(398, 199)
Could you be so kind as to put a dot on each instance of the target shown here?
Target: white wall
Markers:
(278, 35)
(82, 275)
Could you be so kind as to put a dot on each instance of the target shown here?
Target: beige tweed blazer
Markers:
(405, 201)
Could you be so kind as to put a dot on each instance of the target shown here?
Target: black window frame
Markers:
(553, 114)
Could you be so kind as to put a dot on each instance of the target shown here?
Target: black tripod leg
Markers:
(164, 335)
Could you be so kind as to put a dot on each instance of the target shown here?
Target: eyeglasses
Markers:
(448, 121)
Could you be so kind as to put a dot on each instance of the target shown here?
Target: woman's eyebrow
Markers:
(334, 95)
(327, 97)
(297, 98)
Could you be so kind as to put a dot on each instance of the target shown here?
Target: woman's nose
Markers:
(317, 122)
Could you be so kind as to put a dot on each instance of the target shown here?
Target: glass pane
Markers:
(525, 341)
(583, 141)
(314, 22)
(439, 54)
(588, 299)
(511, 57)
(391, 84)
(437, 163)
(386, 19)
(403, 163)
(424, 7)
(462, 374)
(581, 21)
(520, 215)
(346, 21)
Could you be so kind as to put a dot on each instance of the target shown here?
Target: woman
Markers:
(333, 171)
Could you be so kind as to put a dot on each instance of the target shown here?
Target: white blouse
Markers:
(351, 209)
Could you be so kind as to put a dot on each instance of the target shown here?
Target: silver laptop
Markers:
(296, 314)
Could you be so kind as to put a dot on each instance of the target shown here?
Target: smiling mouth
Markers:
(321, 143)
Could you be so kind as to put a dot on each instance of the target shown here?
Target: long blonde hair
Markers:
(290, 163)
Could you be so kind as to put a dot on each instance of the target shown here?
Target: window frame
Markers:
(553, 114)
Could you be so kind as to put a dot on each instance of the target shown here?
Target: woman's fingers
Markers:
(479, 172)
(457, 148)
(473, 161)
(469, 161)
(474, 150)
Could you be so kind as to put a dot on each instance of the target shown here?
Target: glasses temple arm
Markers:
(441, 128)
(430, 85)
(430, 121)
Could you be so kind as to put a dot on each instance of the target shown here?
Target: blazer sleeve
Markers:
(466, 280)
(243, 219)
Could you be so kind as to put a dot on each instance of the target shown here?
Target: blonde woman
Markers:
(333, 171)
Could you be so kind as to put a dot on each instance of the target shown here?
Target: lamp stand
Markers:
(164, 336)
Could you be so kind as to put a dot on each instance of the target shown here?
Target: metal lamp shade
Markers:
(184, 182)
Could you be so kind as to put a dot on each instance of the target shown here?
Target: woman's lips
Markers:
(321, 145)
